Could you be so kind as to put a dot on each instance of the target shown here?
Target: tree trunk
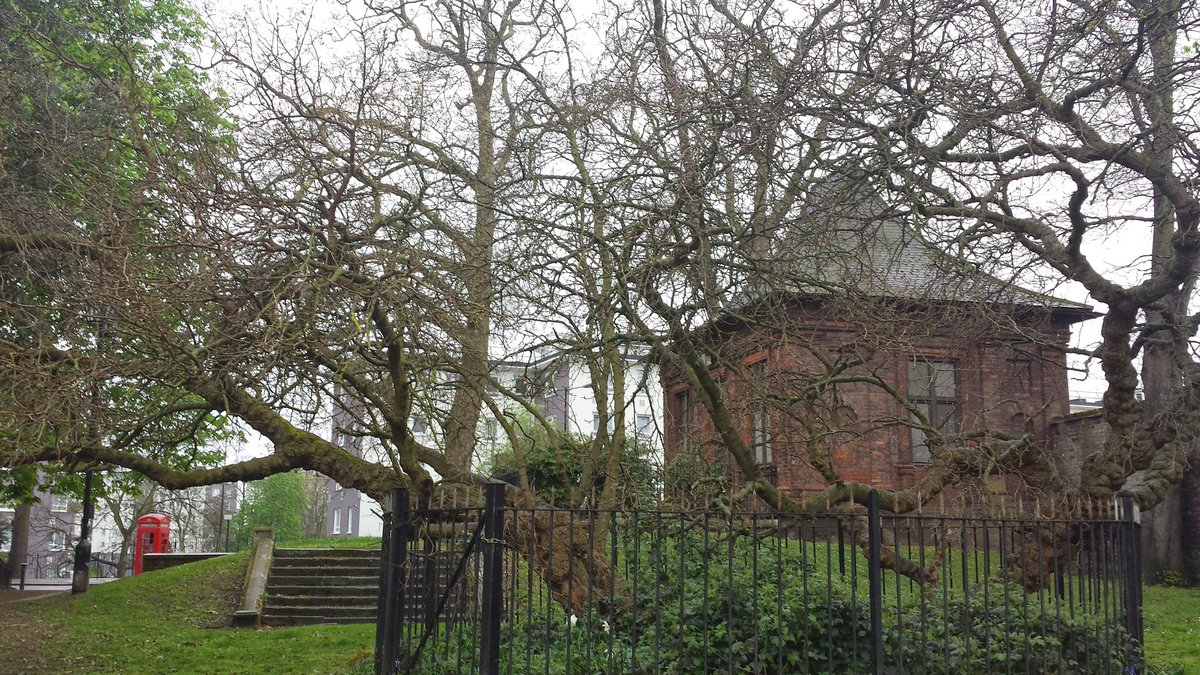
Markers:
(1161, 371)
(123, 557)
(1189, 506)
(19, 550)
(1162, 548)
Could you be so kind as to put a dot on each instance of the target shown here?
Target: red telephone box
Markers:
(153, 536)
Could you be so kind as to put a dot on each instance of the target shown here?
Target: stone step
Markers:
(327, 553)
(315, 584)
(312, 619)
(327, 563)
(275, 602)
(332, 614)
(326, 591)
(309, 568)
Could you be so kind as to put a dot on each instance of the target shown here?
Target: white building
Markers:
(561, 387)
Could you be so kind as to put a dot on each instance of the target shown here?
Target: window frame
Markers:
(683, 419)
(932, 402)
(761, 436)
(643, 425)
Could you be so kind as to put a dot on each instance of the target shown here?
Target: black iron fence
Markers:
(481, 587)
(60, 565)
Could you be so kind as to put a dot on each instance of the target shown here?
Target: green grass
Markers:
(1172, 617)
(174, 621)
(334, 542)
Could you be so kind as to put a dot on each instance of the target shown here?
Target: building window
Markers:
(760, 435)
(1020, 375)
(643, 426)
(683, 419)
(58, 503)
(349, 521)
(337, 521)
(932, 389)
(760, 415)
(596, 424)
(58, 540)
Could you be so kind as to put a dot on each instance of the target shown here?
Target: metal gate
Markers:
(441, 585)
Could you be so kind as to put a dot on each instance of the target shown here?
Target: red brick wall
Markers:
(1005, 383)
(1075, 437)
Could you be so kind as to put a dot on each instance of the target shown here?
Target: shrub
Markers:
(692, 482)
(717, 605)
(957, 634)
(554, 463)
(1170, 579)
(694, 616)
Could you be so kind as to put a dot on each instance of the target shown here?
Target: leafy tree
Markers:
(553, 462)
(107, 130)
(276, 502)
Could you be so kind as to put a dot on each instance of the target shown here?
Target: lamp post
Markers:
(83, 550)
(228, 527)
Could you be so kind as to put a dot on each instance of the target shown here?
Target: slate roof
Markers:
(849, 243)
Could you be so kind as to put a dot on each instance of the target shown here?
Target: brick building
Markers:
(969, 352)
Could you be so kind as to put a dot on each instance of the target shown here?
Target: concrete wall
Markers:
(152, 562)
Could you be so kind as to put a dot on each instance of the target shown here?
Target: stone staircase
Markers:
(321, 585)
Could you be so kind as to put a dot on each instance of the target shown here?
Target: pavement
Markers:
(9, 595)
(36, 588)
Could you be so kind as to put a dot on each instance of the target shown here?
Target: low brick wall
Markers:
(161, 561)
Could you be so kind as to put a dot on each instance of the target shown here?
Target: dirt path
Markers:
(22, 637)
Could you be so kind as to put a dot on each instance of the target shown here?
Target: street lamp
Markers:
(83, 550)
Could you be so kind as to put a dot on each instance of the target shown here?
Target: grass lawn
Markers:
(172, 621)
(1172, 617)
(333, 542)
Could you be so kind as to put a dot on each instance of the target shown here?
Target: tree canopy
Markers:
(277, 502)
(402, 197)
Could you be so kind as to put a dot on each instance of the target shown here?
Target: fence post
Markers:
(841, 547)
(393, 581)
(493, 579)
(875, 580)
(385, 595)
(1133, 582)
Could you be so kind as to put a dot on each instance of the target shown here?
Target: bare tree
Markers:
(1031, 137)
(125, 507)
(435, 179)
(316, 489)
